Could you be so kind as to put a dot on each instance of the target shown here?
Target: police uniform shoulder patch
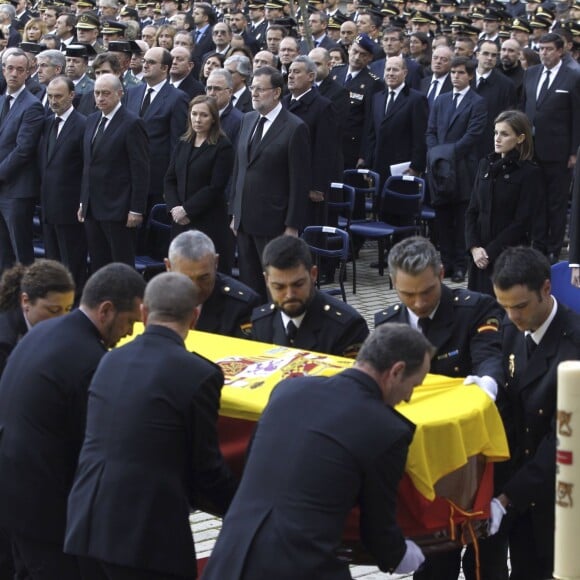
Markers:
(374, 76)
(263, 311)
(386, 314)
(490, 324)
(246, 329)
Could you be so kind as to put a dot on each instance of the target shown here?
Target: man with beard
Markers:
(510, 66)
(299, 315)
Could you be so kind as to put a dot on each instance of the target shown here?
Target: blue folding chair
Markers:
(322, 241)
(562, 289)
(365, 195)
(157, 237)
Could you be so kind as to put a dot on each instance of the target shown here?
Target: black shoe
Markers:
(458, 275)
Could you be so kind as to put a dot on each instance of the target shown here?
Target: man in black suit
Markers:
(309, 435)
(271, 177)
(319, 114)
(456, 125)
(440, 81)
(42, 416)
(318, 22)
(227, 304)
(140, 477)
(551, 100)
(300, 315)
(498, 92)
(538, 333)
(163, 109)
(464, 328)
(21, 117)
(219, 86)
(240, 67)
(362, 85)
(239, 25)
(401, 111)
(60, 159)
(204, 18)
(113, 202)
(181, 73)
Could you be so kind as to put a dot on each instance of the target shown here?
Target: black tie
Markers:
(293, 104)
(146, 103)
(291, 330)
(530, 345)
(390, 102)
(480, 83)
(544, 88)
(257, 136)
(455, 99)
(99, 134)
(432, 92)
(424, 324)
(348, 79)
(52, 136)
(5, 108)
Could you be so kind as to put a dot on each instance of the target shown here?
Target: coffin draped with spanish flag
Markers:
(448, 483)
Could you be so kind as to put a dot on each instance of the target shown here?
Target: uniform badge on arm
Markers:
(490, 325)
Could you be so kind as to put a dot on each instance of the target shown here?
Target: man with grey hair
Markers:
(226, 304)
(316, 430)
(181, 72)
(240, 68)
(142, 475)
(219, 86)
(51, 63)
(7, 15)
(319, 114)
(462, 325)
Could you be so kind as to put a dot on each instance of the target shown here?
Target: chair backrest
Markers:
(320, 238)
(158, 234)
(401, 199)
(406, 184)
(341, 198)
(562, 289)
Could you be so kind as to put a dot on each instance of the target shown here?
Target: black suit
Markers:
(428, 80)
(329, 326)
(61, 171)
(230, 123)
(499, 94)
(165, 121)
(12, 328)
(464, 330)
(269, 188)
(286, 525)
(528, 407)
(108, 196)
(202, 45)
(244, 102)
(19, 135)
(414, 71)
(228, 309)
(196, 179)
(326, 42)
(407, 119)
(191, 86)
(556, 122)
(42, 421)
(139, 478)
(319, 114)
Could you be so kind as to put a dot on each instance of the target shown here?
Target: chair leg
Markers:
(381, 257)
(353, 257)
(341, 276)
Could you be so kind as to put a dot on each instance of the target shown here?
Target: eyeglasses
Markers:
(214, 89)
(260, 90)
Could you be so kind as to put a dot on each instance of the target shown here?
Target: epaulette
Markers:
(236, 292)
(386, 314)
(463, 297)
(335, 312)
(263, 311)
(374, 76)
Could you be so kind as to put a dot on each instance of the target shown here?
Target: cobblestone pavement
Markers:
(373, 293)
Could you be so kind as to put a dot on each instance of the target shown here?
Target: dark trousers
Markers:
(110, 242)
(6, 561)
(551, 227)
(450, 225)
(16, 232)
(40, 560)
(96, 570)
(67, 243)
(250, 249)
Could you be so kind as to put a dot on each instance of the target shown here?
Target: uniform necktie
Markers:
(99, 133)
(424, 324)
(52, 136)
(530, 345)
(455, 100)
(5, 108)
(432, 92)
(390, 101)
(348, 79)
(257, 136)
(146, 103)
(291, 330)
(544, 87)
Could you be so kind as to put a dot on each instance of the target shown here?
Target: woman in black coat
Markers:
(505, 196)
(197, 177)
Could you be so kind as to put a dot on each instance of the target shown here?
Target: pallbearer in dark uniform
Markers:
(462, 325)
(362, 85)
(226, 303)
(300, 315)
(60, 156)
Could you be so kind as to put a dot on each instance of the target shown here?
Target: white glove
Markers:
(485, 383)
(412, 559)
(496, 514)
